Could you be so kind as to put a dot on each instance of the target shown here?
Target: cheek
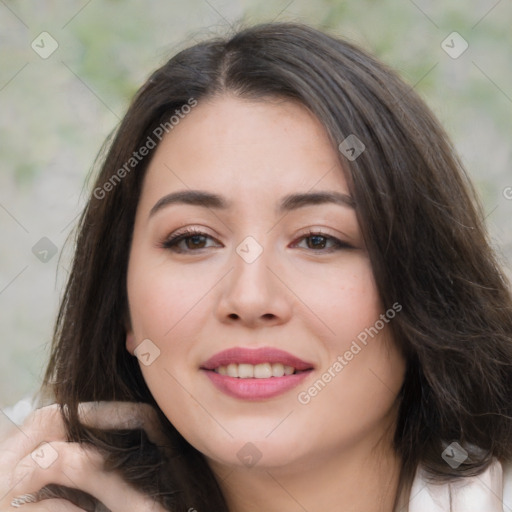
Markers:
(168, 308)
(342, 296)
(161, 298)
(355, 393)
(362, 371)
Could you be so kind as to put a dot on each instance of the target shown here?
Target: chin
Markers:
(254, 454)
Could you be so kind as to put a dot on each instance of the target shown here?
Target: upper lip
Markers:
(240, 355)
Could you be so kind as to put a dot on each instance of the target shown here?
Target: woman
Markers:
(283, 260)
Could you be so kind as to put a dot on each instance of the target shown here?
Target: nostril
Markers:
(268, 316)
(233, 316)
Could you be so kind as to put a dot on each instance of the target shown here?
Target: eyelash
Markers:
(172, 242)
(337, 244)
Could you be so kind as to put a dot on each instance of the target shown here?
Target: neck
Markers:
(354, 480)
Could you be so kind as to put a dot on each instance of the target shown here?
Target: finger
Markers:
(124, 415)
(45, 424)
(80, 467)
(50, 506)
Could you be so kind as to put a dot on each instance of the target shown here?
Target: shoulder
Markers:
(491, 491)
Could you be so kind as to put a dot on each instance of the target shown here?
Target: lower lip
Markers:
(255, 389)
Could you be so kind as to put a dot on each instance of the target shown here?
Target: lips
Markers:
(255, 374)
(255, 357)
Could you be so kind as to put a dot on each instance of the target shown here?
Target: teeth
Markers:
(278, 369)
(245, 371)
(263, 371)
(232, 370)
(288, 370)
(258, 371)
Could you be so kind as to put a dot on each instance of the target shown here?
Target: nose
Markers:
(253, 296)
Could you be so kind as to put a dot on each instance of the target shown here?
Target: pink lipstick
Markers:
(255, 374)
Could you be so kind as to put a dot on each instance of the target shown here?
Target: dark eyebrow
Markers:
(193, 197)
(290, 202)
(294, 201)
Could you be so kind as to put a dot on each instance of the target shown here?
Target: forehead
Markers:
(268, 146)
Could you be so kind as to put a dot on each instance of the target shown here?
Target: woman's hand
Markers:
(37, 455)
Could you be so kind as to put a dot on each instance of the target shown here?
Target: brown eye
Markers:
(195, 242)
(321, 243)
(316, 242)
(190, 241)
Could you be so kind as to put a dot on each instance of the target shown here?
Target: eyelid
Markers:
(171, 240)
(339, 243)
(189, 230)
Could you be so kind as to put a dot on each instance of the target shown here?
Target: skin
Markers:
(310, 299)
(37, 453)
(301, 296)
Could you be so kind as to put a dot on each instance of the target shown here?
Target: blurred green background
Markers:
(56, 111)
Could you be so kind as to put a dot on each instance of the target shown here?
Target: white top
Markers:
(489, 492)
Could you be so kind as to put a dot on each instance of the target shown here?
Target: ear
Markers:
(130, 341)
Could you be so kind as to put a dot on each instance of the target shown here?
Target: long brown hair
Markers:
(422, 225)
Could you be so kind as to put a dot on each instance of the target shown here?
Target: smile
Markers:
(255, 374)
(257, 371)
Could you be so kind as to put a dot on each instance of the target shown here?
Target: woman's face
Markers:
(254, 311)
